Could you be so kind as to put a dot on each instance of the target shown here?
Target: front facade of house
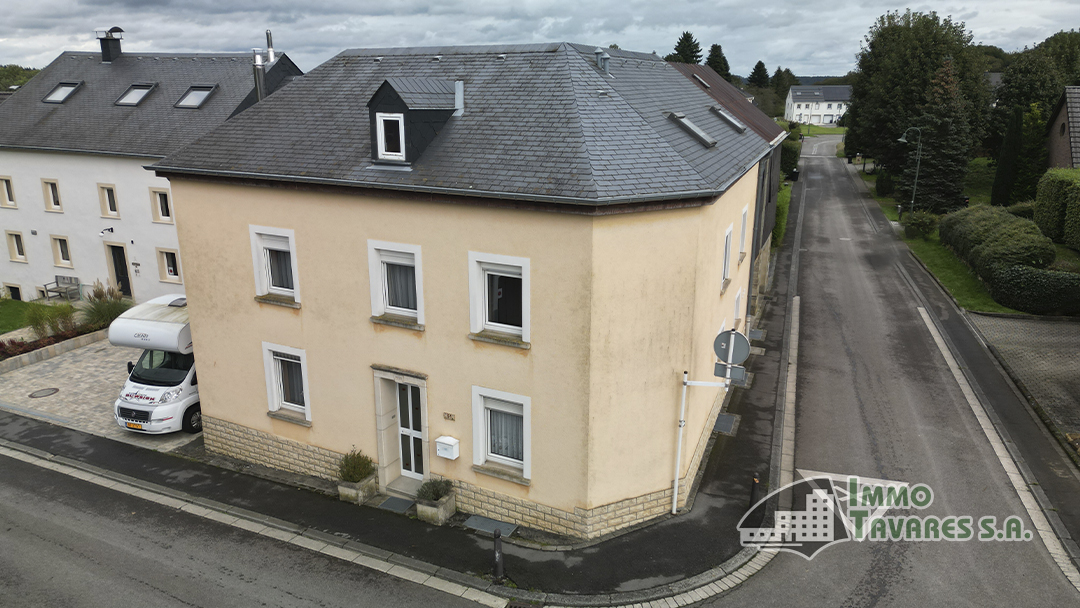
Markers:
(817, 105)
(75, 198)
(1063, 131)
(486, 283)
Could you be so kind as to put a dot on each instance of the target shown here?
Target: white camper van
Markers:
(161, 394)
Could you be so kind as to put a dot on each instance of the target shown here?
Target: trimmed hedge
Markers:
(789, 156)
(1025, 210)
(1010, 255)
(1071, 230)
(1057, 188)
(1036, 290)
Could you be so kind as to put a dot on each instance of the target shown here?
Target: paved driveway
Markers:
(89, 379)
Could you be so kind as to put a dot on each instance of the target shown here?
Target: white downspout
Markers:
(678, 449)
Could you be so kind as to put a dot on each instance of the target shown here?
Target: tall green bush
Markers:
(103, 305)
(789, 156)
(1071, 231)
(884, 186)
(1056, 188)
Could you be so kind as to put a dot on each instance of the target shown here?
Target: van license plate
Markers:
(132, 425)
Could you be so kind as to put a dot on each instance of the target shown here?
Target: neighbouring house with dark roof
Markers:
(75, 199)
(745, 114)
(486, 264)
(818, 104)
(1063, 131)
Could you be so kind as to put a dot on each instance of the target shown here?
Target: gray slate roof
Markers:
(89, 120)
(541, 123)
(424, 93)
(834, 92)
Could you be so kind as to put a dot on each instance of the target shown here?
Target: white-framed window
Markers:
(161, 206)
(395, 272)
(390, 134)
(196, 96)
(51, 190)
(7, 193)
(502, 429)
(499, 294)
(798, 106)
(828, 106)
(286, 379)
(107, 198)
(742, 232)
(168, 265)
(273, 254)
(61, 251)
(16, 249)
(839, 106)
(727, 254)
(135, 94)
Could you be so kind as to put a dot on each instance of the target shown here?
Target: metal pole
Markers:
(918, 163)
(499, 574)
(678, 448)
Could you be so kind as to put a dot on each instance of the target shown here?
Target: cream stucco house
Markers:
(489, 264)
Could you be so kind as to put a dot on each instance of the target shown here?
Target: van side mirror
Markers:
(131, 366)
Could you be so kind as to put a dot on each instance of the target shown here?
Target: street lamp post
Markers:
(918, 161)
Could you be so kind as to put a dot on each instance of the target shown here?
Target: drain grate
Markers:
(45, 392)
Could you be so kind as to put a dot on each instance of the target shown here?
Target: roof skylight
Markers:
(135, 94)
(61, 92)
(729, 117)
(196, 96)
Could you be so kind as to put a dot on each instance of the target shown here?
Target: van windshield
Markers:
(162, 368)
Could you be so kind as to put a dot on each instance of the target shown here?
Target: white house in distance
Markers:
(75, 199)
(817, 105)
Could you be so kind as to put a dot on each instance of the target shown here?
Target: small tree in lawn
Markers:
(1005, 176)
(1032, 161)
(759, 77)
(946, 140)
(687, 50)
(718, 62)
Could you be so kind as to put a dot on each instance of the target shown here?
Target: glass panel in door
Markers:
(410, 426)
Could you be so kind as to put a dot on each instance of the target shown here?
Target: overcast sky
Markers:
(811, 37)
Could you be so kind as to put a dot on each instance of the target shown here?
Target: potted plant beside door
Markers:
(358, 478)
(435, 502)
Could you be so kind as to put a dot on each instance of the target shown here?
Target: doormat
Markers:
(397, 505)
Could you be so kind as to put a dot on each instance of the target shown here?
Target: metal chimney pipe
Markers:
(260, 74)
(269, 47)
(604, 59)
(598, 52)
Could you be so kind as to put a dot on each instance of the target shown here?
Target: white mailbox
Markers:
(446, 447)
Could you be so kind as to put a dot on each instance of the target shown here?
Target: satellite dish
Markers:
(731, 347)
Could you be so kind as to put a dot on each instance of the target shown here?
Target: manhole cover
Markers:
(45, 392)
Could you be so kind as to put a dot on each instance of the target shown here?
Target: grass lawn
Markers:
(815, 130)
(955, 275)
(979, 180)
(1067, 259)
(12, 313)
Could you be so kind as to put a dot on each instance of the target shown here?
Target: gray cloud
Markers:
(812, 37)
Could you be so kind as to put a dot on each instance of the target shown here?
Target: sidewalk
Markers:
(691, 554)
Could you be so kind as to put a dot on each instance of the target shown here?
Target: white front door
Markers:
(410, 425)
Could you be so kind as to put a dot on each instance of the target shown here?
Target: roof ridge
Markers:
(578, 126)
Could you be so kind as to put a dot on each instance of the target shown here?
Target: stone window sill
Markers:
(742, 256)
(502, 472)
(277, 300)
(398, 321)
(503, 339)
(288, 416)
(724, 286)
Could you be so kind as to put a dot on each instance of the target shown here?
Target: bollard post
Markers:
(755, 489)
(498, 556)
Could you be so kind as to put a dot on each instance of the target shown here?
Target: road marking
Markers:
(1038, 520)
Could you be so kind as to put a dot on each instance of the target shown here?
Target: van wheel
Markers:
(193, 419)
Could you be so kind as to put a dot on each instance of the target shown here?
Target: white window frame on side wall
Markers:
(381, 135)
(163, 265)
(481, 432)
(480, 265)
(58, 251)
(155, 206)
(103, 199)
(379, 254)
(15, 241)
(7, 193)
(263, 238)
(727, 254)
(742, 233)
(272, 369)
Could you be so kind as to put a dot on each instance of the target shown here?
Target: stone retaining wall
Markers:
(52, 350)
(250, 445)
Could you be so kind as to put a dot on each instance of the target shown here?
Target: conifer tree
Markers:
(1005, 176)
(687, 50)
(759, 77)
(718, 62)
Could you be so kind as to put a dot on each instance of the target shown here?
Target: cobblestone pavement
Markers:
(89, 379)
(1046, 357)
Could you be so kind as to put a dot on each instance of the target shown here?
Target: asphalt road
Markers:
(66, 542)
(876, 399)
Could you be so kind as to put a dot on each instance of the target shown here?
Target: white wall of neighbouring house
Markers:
(143, 233)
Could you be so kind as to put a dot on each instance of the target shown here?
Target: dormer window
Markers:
(391, 136)
(135, 94)
(196, 96)
(61, 92)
